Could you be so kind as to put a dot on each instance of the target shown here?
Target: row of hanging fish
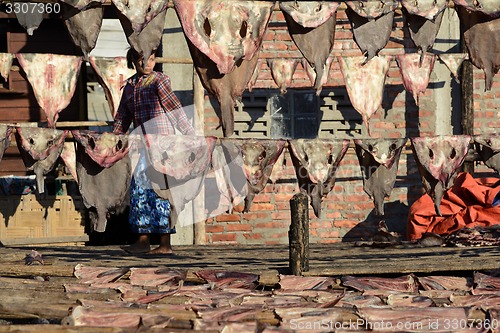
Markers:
(54, 77)
(103, 164)
(224, 37)
(365, 80)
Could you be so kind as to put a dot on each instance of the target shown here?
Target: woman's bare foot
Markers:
(136, 248)
(140, 246)
(161, 250)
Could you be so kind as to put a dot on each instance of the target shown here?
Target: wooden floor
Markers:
(31, 292)
(325, 260)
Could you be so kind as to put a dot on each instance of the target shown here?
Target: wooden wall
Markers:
(17, 102)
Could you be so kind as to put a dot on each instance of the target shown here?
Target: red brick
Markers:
(356, 215)
(285, 36)
(279, 235)
(357, 197)
(253, 236)
(223, 238)
(255, 216)
(212, 120)
(495, 85)
(264, 198)
(228, 218)
(398, 104)
(210, 220)
(280, 216)
(269, 36)
(384, 125)
(312, 216)
(320, 224)
(345, 223)
(270, 225)
(281, 46)
(211, 228)
(283, 197)
(238, 227)
(338, 206)
(239, 208)
(363, 206)
(328, 234)
(394, 73)
(283, 206)
(394, 45)
(334, 215)
(278, 16)
(328, 240)
(262, 206)
(424, 124)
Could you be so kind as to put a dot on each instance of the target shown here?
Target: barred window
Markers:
(294, 115)
(300, 113)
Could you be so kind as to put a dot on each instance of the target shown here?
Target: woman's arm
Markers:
(173, 107)
(123, 117)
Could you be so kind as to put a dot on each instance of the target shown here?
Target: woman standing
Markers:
(148, 97)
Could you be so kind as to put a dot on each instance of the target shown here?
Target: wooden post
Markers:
(199, 127)
(467, 102)
(298, 236)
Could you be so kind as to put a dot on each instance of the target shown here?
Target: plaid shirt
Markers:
(146, 100)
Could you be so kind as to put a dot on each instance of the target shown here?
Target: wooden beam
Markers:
(43, 240)
(467, 98)
(168, 60)
(84, 123)
(52, 328)
(199, 126)
(37, 270)
(298, 236)
(342, 5)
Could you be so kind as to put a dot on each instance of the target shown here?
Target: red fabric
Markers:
(467, 204)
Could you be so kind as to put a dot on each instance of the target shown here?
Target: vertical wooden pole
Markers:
(199, 127)
(467, 88)
(298, 236)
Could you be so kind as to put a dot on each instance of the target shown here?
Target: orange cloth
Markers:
(467, 204)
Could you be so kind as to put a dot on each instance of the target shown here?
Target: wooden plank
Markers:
(200, 236)
(12, 167)
(70, 329)
(404, 268)
(37, 270)
(19, 115)
(41, 307)
(43, 240)
(167, 60)
(334, 259)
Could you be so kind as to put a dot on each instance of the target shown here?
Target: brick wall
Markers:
(347, 211)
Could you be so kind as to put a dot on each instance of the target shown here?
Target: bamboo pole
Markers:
(342, 5)
(199, 127)
(168, 60)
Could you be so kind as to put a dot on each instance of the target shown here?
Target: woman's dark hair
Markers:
(132, 57)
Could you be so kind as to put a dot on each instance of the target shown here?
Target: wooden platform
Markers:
(325, 260)
(30, 293)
